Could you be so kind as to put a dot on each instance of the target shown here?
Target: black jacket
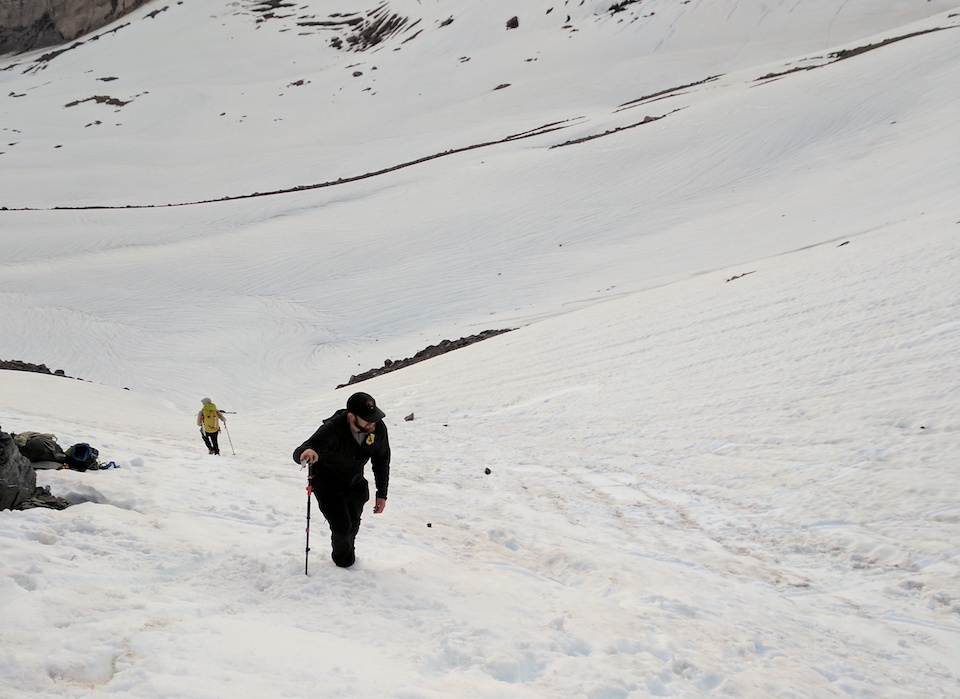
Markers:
(342, 459)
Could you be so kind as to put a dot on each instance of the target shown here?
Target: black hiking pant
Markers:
(342, 506)
(210, 439)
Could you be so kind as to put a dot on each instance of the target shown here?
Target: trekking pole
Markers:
(306, 563)
(228, 438)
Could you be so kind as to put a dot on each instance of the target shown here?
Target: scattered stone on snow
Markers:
(42, 497)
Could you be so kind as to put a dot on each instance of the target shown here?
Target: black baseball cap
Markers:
(364, 407)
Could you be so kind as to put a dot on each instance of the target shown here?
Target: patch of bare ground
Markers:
(99, 99)
(844, 54)
(663, 94)
(608, 132)
(352, 31)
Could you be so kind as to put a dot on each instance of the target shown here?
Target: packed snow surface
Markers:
(717, 457)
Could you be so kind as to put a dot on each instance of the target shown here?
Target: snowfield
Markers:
(717, 457)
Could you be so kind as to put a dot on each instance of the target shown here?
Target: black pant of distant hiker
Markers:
(210, 439)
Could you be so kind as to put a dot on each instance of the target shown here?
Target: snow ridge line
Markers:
(545, 129)
(843, 54)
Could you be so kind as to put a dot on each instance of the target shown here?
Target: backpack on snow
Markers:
(211, 420)
(82, 456)
(41, 448)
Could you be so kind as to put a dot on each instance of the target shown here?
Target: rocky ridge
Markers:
(32, 24)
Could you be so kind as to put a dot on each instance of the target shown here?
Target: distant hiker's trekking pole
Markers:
(228, 438)
(306, 563)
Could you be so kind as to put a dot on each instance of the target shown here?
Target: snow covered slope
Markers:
(721, 442)
(739, 485)
(250, 298)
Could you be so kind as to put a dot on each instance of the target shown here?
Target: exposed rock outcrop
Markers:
(18, 480)
(17, 365)
(31, 24)
(424, 354)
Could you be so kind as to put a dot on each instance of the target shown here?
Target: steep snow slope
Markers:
(742, 488)
(256, 298)
(721, 443)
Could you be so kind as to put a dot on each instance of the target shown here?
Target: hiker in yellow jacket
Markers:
(208, 420)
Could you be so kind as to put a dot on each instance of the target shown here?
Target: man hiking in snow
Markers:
(336, 454)
(208, 420)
